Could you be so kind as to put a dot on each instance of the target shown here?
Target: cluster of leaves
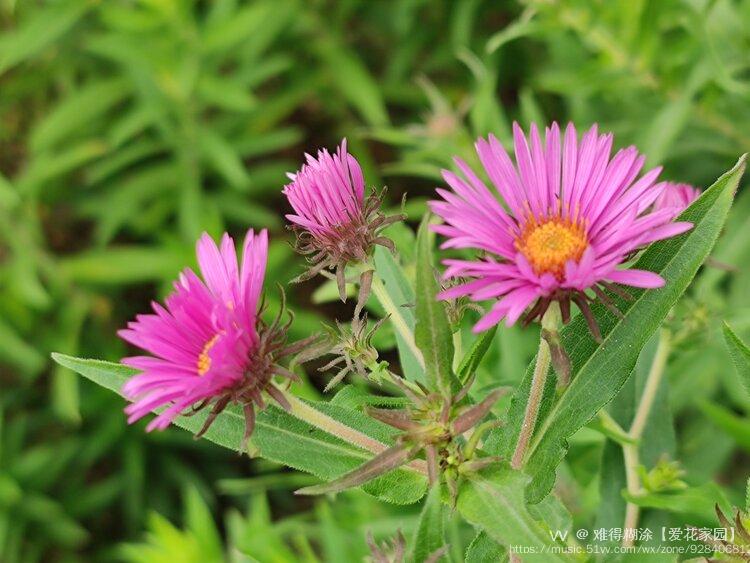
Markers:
(129, 127)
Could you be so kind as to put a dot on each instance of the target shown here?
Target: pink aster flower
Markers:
(208, 345)
(676, 196)
(335, 223)
(573, 214)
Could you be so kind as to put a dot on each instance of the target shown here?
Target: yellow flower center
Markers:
(204, 360)
(549, 244)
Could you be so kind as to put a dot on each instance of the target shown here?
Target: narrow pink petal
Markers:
(636, 278)
(254, 259)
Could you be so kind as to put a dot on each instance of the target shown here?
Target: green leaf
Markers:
(223, 36)
(354, 81)
(483, 549)
(8, 196)
(657, 440)
(522, 27)
(599, 371)
(736, 427)
(224, 159)
(15, 351)
(334, 538)
(430, 534)
(122, 265)
(555, 516)
(470, 362)
(41, 30)
(733, 248)
(354, 397)
(493, 500)
(281, 437)
(487, 115)
(667, 124)
(76, 111)
(225, 93)
(432, 332)
(388, 460)
(740, 355)
(693, 501)
(200, 523)
(400, 291)
(51, 165)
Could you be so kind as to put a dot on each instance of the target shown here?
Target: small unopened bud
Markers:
(353, 348)
(336, 224)
(665, 476)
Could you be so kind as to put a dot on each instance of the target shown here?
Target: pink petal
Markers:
(636, 278)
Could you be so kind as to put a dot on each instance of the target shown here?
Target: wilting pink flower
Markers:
(209, 345)
(335, 223)
(676, 197)
(574, 215)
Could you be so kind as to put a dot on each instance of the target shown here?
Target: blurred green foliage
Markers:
(129, 126)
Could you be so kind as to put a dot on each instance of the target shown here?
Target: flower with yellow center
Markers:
(549, 245)
(564, 219)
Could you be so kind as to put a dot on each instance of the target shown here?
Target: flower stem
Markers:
(396, 316)
(457, 349)
(630, 451)
(303, 411)
(550, 321)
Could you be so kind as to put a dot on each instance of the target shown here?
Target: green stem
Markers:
(457, 349)
(630, 451)
(550, 321)
(306, 413)
(396, 316)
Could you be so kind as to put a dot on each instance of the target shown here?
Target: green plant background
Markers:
(128, 127)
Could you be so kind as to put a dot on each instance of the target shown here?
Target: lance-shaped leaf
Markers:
(470, 362)
(700, 501)
(740, 354)
(737, 427)
(430, 534)
(432, 332)
(600, 370)
(390, 459)
(398, 287)
(493, 500)
(398, 418)
(283, 438)
(657, 441)
(471, 416)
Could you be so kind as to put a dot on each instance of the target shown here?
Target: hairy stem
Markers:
(550, 321)
(306, 413)
(630, 451)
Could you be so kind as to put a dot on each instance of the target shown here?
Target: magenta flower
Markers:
(335, 223)
(676, 196)
(574, 214)
(209, 344)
